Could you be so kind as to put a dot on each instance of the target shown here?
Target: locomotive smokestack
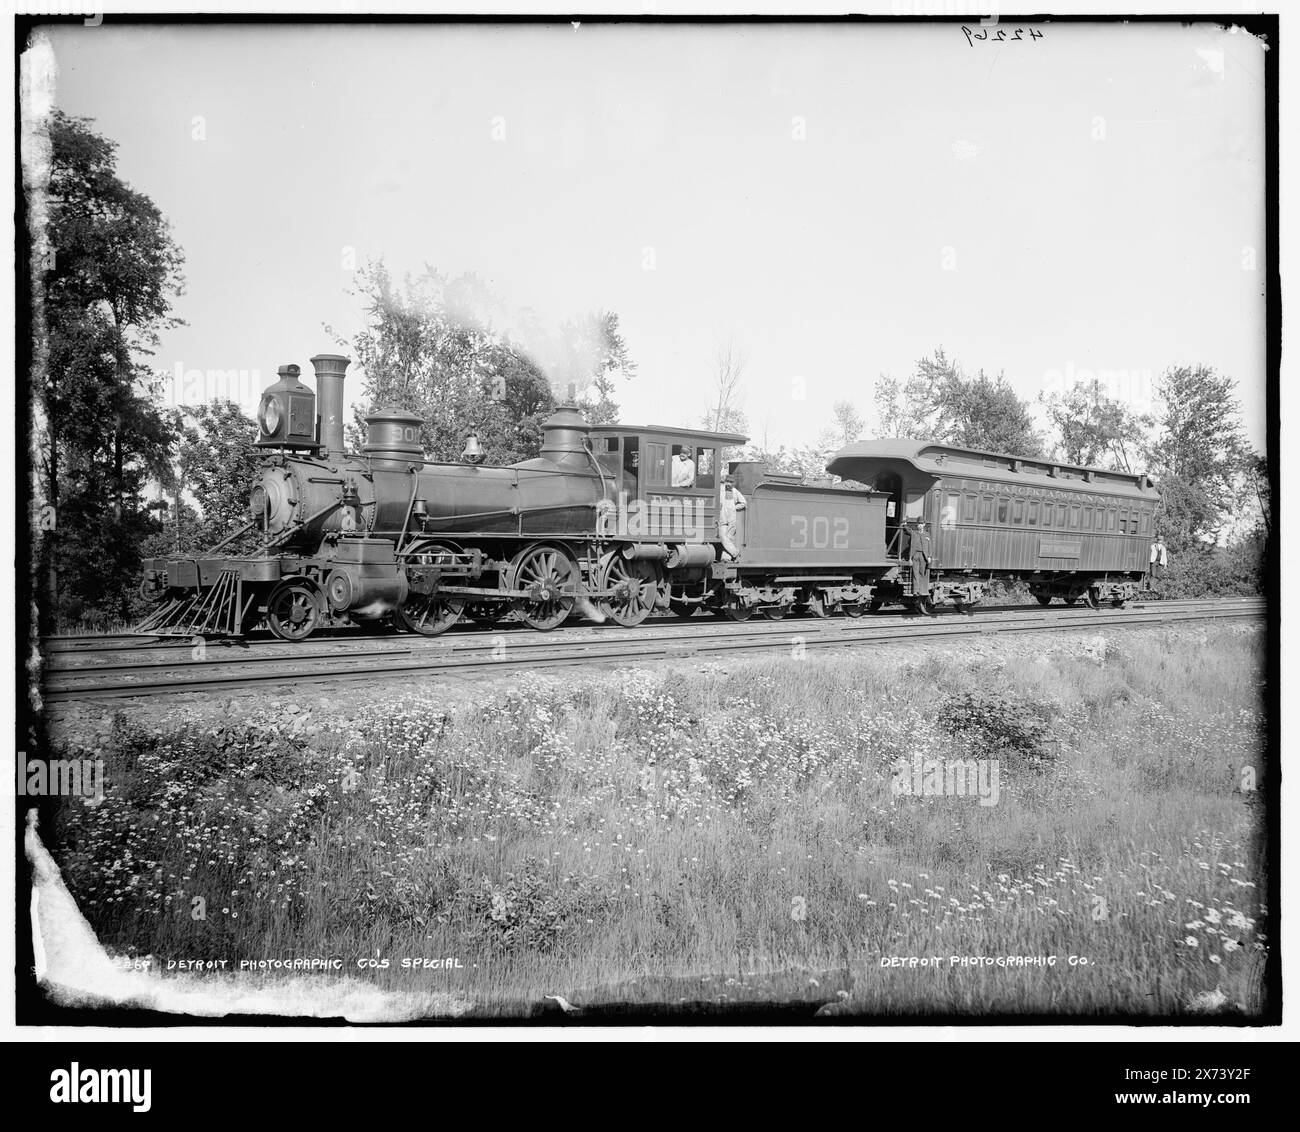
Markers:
(330, 369)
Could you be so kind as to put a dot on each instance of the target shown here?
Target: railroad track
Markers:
(103, 671)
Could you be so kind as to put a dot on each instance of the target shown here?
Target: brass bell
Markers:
(473, 453)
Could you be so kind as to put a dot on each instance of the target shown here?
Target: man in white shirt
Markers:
(1159, 557)
(683, 469)
(729, 504)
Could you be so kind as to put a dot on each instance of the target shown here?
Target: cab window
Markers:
(656, 458)
(705, 468)
(608, 453)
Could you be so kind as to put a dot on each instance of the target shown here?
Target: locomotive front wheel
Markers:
(1043, 599)
(546, 571)
(738, 612)
(293, 611)
(637, 582)
(427, 615)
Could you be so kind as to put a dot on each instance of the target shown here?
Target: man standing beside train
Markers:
(1159, 557)
(730, 503)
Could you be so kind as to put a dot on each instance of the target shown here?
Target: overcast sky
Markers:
(840, 200)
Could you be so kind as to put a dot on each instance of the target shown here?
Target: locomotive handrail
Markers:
(410, 506)
(231, 538)
(299, 523)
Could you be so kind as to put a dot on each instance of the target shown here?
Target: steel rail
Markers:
(536, 651)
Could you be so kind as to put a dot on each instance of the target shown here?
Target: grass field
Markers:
(607, 837)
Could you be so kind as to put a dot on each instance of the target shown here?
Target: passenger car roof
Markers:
(864, 459)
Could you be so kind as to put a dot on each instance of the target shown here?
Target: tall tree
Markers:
(427, 346)
(1199, 453)
(1096, 430)
(217, 463)
(111, 273)
(592, 355)
(846, 426)
(724, 412)
(899, 412)
(943, 404)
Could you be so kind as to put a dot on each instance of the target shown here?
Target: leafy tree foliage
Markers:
(1199, 454)
(216, 466)
(942, 403)
(428, 347)
(592, 355)
(1096, 430)
(111, 272)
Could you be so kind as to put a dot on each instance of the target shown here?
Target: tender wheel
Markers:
(293, 610)
(854, 609)
(735, 611)
(1072, 599)
(1043, 599)
(683, 609)
(774, 612)
(547, 570)
(639, 582)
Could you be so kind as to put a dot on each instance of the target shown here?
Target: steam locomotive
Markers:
(600, 525)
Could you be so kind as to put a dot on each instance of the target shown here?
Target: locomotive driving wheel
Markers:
(430, 615)
(545, 572)
(293, 610)
(637, 586)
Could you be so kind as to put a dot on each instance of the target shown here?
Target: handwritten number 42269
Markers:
(1000, 36)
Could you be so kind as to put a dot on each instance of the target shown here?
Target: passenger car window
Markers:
(1074, 518)
(986, 508)
(1004, 508)
(1033, 512)
(1018, 511)
(968, 509)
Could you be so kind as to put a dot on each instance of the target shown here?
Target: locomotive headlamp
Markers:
(271, 417)
(286, 417)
